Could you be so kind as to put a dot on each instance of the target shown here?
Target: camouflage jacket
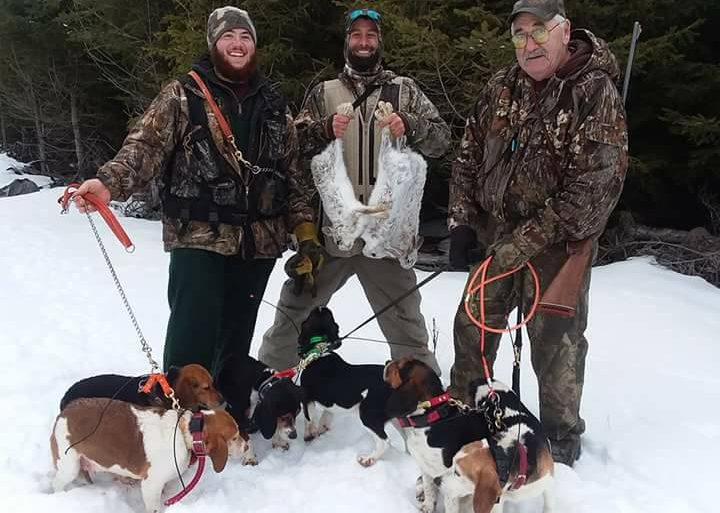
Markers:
(548, 166)
(426, 131)
(151, 145)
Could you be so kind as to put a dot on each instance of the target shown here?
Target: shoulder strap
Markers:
(224, 126)
(366, 94)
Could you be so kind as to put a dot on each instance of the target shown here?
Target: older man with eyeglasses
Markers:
(544, 157)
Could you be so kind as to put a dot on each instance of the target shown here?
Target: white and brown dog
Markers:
(492, 453)
(137, 442)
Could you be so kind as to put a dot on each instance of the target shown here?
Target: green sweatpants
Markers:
(214, 300)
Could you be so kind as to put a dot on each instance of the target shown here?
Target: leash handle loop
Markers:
(107, 215)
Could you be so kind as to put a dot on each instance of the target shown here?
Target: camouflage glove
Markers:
(304, 266)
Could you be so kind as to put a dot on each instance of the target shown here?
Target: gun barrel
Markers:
(637, 30)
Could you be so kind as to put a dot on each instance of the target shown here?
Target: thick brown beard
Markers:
(228, 72)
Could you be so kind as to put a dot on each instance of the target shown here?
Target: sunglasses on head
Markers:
(540, 35)
(366, 13)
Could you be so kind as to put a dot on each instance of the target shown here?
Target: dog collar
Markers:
(197, 422)
(273, 379)
(439, 410)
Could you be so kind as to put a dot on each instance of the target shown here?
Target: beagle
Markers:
(498, 451)
(92, 434)
(328, 381)
(192, 384)
(277, 400)
(418, 400)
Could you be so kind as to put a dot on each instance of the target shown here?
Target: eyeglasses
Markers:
(540, 35)
(367, 13)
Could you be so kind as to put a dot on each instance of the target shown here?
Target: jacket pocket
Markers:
(201, 144)
(269, 191)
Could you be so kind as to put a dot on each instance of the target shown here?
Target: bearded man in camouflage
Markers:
(318, 124)
(225, 215)
(544, 157)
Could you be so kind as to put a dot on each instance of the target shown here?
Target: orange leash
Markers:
(160, 379)
(102, 208)
(475, 287)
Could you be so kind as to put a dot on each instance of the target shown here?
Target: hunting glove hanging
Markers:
(304, 266)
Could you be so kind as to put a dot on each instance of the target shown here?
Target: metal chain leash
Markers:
(457, 403)
(145, 346)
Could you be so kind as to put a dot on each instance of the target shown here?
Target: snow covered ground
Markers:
(650, 402)
(7, 176)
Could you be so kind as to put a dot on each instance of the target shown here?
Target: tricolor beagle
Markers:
(330, 381)
(492, 452)
(136, 442)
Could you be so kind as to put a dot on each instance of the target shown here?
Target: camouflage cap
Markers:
(543, 9)
(227, 18)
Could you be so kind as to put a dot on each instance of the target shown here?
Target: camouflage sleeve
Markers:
(313, 125)
(426, 130)
(147, 146)
(302, 188)
(466, 170)
(593, 179)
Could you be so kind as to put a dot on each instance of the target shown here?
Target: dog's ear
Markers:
(401, 401)
(217, 448)
(172, 375)
(487, 491)
(265, 419)
(298, 393)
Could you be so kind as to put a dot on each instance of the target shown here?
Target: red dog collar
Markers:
(197, 422)
(425, 419)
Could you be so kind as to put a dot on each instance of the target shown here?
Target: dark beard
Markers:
(228, 72)
(363, 64)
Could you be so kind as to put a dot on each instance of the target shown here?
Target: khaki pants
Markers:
(382, 280)
(558, 346)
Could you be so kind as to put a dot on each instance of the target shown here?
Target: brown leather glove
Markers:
(304, 265)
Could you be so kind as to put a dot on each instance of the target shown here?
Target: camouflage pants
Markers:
(558, 345)
(383, 280)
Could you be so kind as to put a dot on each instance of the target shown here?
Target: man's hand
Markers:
(395, 124)
(340, 124)
(93, 186)
(463, 240)
(304, 266)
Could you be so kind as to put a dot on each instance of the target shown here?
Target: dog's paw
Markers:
(250, 462)
(281, 445)
(310, 437)
(366, 461)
